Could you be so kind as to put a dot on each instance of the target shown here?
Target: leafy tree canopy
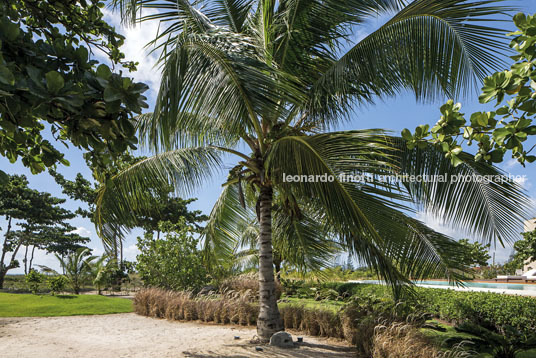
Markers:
(47, 76)
(504, 130)
(173, 262)
(525, 249)
(474, 253)
(33, 219)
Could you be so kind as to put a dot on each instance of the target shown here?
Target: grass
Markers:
(328, 305)
(26, 305)
(448, 333)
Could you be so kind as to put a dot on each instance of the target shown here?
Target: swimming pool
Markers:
(510, 288)
(500, 286)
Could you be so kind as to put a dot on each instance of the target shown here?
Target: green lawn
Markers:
(333, 306)
(23, 305)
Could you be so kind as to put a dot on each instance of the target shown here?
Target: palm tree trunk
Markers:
(269, 320)
(121, 255)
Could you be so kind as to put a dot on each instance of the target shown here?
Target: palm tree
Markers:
(99, 272)
(264, 82)
(306, 253)
(76, 267)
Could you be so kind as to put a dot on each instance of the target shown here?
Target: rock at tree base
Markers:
(282, 340)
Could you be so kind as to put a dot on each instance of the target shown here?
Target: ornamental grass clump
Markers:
(226, 308)
(247, 284)
(403, 340)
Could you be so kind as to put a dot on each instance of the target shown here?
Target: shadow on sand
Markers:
(301, 350)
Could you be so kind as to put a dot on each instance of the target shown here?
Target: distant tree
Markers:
(474, 254)
(170, 209)
(57, 283)
(100, 269)
(524, 249)
(77, 267)
(167, 208)
(34, 279)
(34, 220)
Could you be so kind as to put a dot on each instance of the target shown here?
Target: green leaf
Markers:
(523, 123)
(467, 132)
(499, 135)
(6, 76)
(55, 81)
(456, 160)
(4, 178)
(11, 31)
(104, 72)
(530, 158)
(456, 150)
(502, 111)
(111, 94)
(406, 134)
(496, 156)
(82, 53)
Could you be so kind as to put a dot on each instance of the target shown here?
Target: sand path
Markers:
(130, 335)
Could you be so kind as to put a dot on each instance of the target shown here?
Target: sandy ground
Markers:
(130, 335)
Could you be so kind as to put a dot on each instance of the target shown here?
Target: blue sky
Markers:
(393, 113)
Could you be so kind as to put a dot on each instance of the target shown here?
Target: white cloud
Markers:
(82, 231)
(511, 163)
(136, 38)
(130, 252)
(523, 181)
(438, 224)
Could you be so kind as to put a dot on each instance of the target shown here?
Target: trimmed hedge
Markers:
(491, 310)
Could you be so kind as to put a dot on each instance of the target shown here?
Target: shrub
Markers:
(173, 262)
(33, 279)
(57, 284)
(490, 310)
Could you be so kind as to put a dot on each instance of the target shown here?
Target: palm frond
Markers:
(218, 77)
(430, 47)
(130, 192)
(231, 14)
(180, 12)
(473, 196)
(303, 242)
(224, 229)
(344, 216)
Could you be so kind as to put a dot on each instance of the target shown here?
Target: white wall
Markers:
(530, 225)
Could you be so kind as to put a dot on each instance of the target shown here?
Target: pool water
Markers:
(489, 285)
(500, 286)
